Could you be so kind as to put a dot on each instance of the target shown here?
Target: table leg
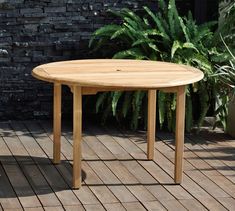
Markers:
(57, 123)
(179, 134)
(151, 123)
(77, 136)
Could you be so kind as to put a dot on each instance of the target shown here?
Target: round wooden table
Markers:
(91, 76)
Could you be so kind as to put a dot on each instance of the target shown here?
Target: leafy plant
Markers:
(226, 23)
(226, 73)
(226, 76)
(164, 36)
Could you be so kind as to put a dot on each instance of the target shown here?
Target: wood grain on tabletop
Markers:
(118, 73)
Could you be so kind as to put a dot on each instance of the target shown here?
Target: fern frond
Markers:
(126, 103)
(136, 104)
(142, 41)
(115, 99)
(189, 113)
(184, 29)
(134, 53)
(161, 107)
(157, 22)
(100, 100)
(134, 17)
(130, 23)
(202, 63)
(106, 31)
(171, 17)
(162, 5)
(176, 45)
(190, 45)
(118, 33)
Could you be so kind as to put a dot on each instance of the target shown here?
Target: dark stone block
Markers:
(4, 60)
(21, 59)
(31, 10)
(35, 15)
(55, 9)
(5, 39)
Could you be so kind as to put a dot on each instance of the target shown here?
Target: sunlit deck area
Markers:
(116, 173)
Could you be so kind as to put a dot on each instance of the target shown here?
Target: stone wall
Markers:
(36, 32)
(33, 32)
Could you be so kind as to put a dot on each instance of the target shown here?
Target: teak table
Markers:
(86, 77)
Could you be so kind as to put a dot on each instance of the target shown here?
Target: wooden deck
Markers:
(116, 174)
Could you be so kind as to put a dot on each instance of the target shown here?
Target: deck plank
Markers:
(121, 192)
(94, 207)
(192, 205)
(74, 208)
(32, 173)
(165, 161)
(164, 191)
(103, 193)
(114, 207)
(116, 173)
(41, 147)
(219, 154)
(139, 191)
(8, 198)
(208, 180)
(153, 206)
(205, 198)
(59, 208)
(17, 178)
(134, 206)
(229, 203)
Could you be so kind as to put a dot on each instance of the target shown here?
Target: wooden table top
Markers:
(118, 73)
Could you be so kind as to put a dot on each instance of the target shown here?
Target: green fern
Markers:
(189, 114)
(133, 53)
(126, 103)
(115, 99)
(171, 18)
(158, 23)
(160, 35)
(176, 45)
(100, 100)
(105, 31)
(161, 108)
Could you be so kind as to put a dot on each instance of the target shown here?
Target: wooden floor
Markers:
(116, 174)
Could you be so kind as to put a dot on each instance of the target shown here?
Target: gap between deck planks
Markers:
(117, 174)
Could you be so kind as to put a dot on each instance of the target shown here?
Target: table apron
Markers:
(95, 90)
